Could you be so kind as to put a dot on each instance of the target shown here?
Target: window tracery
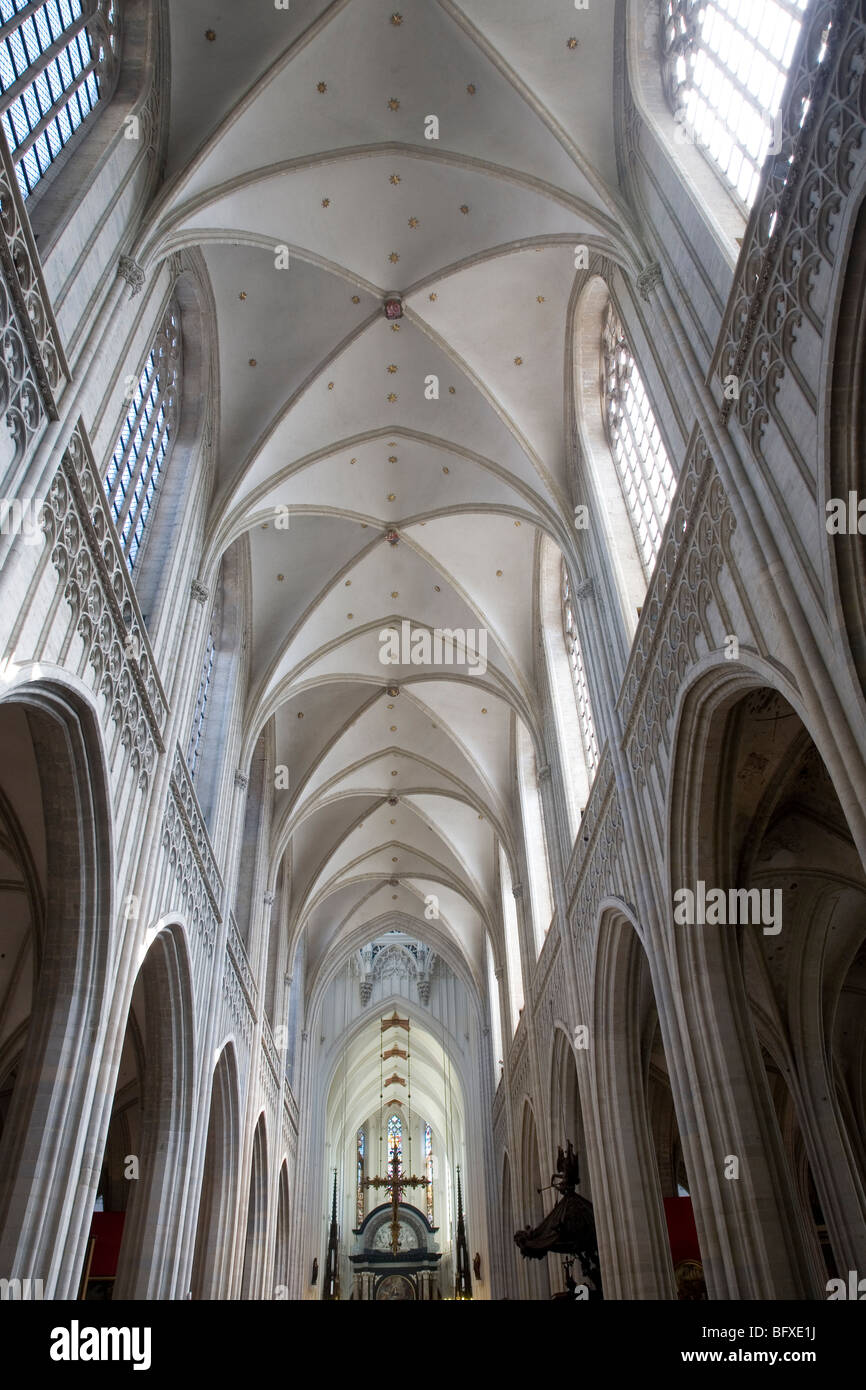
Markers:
(57, 61)
(645, 474)
(395, 1140)
(725, 64)
(145, 438)
(201, 704)
(578, 676)
(428, 1170)
(361, 1175)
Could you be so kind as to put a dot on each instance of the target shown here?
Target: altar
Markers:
(409, 1273)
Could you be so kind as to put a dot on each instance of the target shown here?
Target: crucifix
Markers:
(396, 1182)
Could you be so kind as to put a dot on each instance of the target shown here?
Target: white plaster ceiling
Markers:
(476, 232)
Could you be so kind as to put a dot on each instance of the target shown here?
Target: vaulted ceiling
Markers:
(304, 129)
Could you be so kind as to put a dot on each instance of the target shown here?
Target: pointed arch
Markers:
(255, 1254)
(55, 784)
(217, 1213)
(282, 1251)
(161, 1010)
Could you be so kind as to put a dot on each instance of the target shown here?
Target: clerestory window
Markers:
(57, 61)
(725, 64)
(645, 474)
(578, 676)
(142, 448)
(201, 704)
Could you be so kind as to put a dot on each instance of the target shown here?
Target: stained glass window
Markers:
(395, 1139)
(145, 437)
(578, 675)
(361, 1197)
(725, 65)
(428, 1170)
(56, 62)
(645, 473)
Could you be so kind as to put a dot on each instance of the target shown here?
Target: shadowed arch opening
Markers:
(537, 1271)
(55, 842)
(282, 1252)
(650, 1230)
(510, 1268)
(566, 1109)
(152, 1112)
(214, 1245)
(770, 828)
(253, 1280)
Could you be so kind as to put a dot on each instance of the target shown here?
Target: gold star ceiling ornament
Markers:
(321, 87)
(395, 178)
(394, 257)
(393, 104)
(391, 368)
(414, 222)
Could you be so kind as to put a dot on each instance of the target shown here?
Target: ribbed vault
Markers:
(383, 473)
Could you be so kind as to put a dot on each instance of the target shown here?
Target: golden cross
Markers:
(396, 1182)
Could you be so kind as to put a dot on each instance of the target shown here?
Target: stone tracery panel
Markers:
(791, 240)
(674, 617)
(116, 650)
(32, 363)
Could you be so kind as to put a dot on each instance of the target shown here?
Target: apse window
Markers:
(142, 447)
(725, 65)
(578, 676)
(645, 474)
(56, 62)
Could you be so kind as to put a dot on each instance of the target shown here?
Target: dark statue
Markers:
(568, 1230)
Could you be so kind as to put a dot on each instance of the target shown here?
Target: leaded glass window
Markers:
(361, 1190)
(725, 65)
(578, 675)
(645, 473)
(428, 1170)
(145, 438)
(201, 704)
(57, 59)
(395, 1139)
